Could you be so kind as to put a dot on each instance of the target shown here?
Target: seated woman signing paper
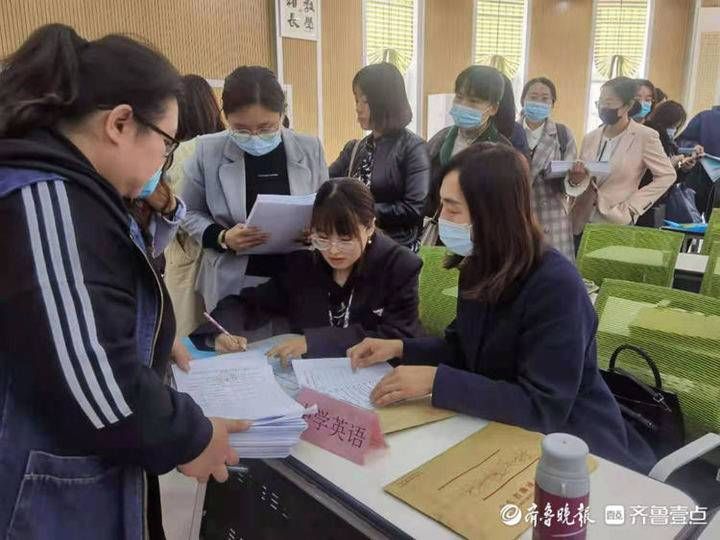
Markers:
(522, 349)
(356, 282)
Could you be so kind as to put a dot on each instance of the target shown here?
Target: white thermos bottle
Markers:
(562, 489)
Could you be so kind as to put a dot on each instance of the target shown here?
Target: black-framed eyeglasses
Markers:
(171, 143)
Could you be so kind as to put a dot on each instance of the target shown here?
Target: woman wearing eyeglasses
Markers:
(87, 328)
(355, 283)
(256, 155)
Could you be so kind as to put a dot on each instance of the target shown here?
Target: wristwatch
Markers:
(221, 239)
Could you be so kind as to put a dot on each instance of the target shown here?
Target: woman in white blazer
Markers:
(230, 169)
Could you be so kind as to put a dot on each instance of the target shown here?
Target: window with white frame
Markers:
(619, 46)
(499, 38)
(391, 29)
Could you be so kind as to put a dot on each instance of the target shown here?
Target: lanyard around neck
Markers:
(346, 315)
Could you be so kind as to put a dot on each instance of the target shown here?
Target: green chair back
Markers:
(680, 331)
(437, 290)
(712, 234)
(629, 253)
(711, 279)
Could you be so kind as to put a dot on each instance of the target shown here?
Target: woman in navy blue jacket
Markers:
(86, 328)
(522, 350)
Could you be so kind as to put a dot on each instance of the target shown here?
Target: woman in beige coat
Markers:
(199, 114)
(631, 149)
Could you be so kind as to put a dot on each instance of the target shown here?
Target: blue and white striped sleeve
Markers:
(83, 360)
(68, 314)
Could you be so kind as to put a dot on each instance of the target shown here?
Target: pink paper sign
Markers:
(341, 428)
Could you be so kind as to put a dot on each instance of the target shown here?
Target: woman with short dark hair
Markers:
(478, 113)
(355, 283)
(228, 171)
(392, 161)
(522, 349)
(87, 329)
(198, 110)
(645, 96)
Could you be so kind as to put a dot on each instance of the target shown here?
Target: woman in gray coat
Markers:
(548, 141)
(230, 169)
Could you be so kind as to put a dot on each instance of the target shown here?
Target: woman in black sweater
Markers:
(355, 283)
(392, 161)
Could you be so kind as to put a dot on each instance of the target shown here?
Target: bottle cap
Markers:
(564, 455)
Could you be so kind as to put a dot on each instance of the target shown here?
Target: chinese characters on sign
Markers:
(341, 428)
(299, 18)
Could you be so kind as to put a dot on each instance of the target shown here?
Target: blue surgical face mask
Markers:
(645, 107)
(456, 237)
(671, 133)
(466, 117)
(256, 145)
(151, 184)
(536, 111)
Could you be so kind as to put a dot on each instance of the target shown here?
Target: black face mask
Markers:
(609, 116)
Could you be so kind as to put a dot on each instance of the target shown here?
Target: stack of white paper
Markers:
(558, 169)
(242, 386)
(335, 377)
(283, 217)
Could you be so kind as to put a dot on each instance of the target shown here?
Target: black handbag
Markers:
(655, 413)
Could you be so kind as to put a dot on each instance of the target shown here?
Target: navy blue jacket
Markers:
(530, 361)
(85, 336)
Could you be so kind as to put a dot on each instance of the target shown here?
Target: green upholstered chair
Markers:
(680, 331)
(628, 253)
(437, 290)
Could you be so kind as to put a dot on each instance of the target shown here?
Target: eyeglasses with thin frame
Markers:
(171, 143)
(324, 244)
(243, 135)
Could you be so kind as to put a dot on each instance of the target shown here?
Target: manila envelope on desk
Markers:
(465, 487)
(408, 414)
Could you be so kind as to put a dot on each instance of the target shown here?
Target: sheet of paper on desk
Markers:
(284, 217)
(409, 414)
(558, 169)
(233, 388)
(465, 487)
(335, 377)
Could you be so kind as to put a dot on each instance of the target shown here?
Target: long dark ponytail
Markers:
(57, 75)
